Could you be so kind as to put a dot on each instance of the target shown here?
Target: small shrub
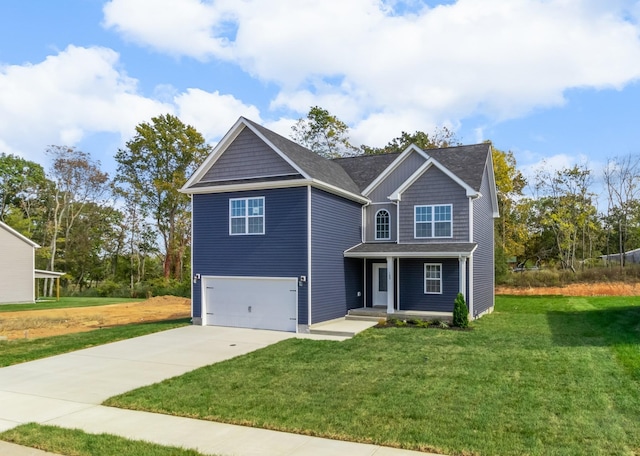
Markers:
(460, 312)
(443, 325)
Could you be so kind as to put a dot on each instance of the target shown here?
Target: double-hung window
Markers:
(433, 221)
(433, 278)
(246, 215)
(383, 225)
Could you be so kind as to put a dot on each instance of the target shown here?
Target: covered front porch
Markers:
(413, 280)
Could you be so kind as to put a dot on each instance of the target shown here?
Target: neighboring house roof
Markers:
(443, 249)
(18, 235)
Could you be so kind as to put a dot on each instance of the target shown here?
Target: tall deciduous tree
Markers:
(20, 183)
(510, 229)
(77, 181)
(323, 133)
(566, 208)
(152, 168)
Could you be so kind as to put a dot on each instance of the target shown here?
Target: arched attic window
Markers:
(383, 225)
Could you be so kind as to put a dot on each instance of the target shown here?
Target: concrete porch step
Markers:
(341, 327)
(365, 318)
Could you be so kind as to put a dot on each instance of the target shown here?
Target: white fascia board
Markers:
(215, 154)
(394, 164)
(338, 191)
(397, 194)
(19, 236)
(492, 184)
(247, 186)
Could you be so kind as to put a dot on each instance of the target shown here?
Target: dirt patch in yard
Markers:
(577, 289)
(52, 322)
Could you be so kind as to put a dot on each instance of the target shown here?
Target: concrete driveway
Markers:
(66, 391)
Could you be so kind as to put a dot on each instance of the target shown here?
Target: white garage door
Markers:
(250, 302)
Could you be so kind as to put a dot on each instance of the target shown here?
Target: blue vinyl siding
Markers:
(280, 252)
(483, 257)
(412, 296)
(335, 227)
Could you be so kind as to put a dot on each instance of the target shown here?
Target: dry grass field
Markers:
(577, 289)
(52, 322)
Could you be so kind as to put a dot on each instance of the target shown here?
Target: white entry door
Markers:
(380, 284)
(251, 302)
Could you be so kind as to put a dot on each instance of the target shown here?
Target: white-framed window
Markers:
(433, 221)
(383, 225)
(433, 278)
(246, 215)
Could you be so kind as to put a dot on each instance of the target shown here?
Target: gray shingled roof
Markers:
(466, 162)
(314, 165)
(365, 168)
(462, 248)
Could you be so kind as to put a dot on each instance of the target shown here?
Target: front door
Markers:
(379, 284)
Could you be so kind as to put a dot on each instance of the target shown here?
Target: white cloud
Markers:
(212, 113)
(79, 92)
(66, 96)
(495, 58)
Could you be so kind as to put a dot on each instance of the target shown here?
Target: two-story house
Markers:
(284, 239)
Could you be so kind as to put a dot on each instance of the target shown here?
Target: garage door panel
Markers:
(264, 303)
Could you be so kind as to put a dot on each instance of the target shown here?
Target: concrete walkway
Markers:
(66, 391)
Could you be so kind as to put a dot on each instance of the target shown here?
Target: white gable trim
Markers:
(222, 146)
(394, 164)
(396, 195)
(492, 184)
(19, 236)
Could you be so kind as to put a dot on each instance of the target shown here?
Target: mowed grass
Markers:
(65, 302)
(22, 350)
(540, 376)
(77, 443)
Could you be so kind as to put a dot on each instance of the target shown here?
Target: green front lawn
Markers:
(64, 303)
(22, 350)
(77, 443)
(540, 376)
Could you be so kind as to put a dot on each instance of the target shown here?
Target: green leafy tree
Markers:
(441, 137)
(323, 133)
(566, 208)
(152, 168)
(510, 229)
(20, 184)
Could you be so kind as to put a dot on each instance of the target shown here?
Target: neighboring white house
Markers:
(17, 266)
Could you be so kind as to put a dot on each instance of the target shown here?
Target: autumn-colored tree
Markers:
(152, 168)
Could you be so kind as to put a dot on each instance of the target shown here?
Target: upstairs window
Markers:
(246, 215)
(433, 221)
(383, 230)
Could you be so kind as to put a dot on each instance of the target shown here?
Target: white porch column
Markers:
(463, 276)
(390, 288)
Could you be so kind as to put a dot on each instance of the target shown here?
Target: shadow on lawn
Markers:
(599, 327)
(616, 327)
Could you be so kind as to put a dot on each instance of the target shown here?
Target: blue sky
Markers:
(551, 80)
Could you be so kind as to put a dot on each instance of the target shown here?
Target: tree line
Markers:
(131, 233)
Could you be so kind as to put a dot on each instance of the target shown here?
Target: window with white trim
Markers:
(246, 215)
(383, 225)
(433, 278)
(433, 221)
